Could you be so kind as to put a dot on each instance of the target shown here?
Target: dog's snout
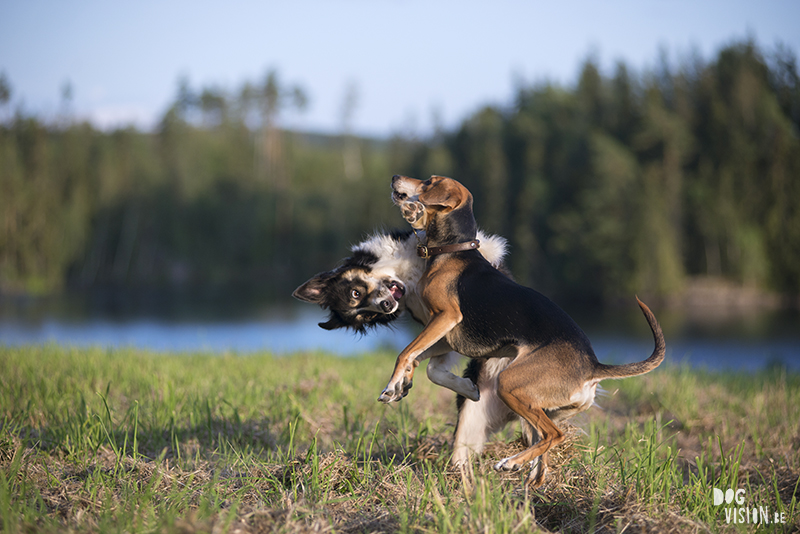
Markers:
(387, 306)
(397, 184)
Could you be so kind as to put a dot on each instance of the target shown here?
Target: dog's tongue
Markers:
(397, 291)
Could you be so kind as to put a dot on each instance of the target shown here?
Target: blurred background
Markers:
(170, 172)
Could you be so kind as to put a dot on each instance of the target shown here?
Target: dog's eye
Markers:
(355, 293)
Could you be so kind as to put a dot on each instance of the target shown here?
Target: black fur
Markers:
(399, 235)
(521, 315)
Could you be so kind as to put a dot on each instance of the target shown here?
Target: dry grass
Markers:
(96, 441)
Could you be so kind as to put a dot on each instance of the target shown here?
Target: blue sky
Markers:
(409, 60)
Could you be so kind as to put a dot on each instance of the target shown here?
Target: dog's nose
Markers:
(395, 178)
(386, 305)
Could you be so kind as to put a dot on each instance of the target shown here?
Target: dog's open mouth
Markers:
(398, 197)
(396, 289)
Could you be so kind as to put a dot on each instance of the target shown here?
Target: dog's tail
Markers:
(638, 368)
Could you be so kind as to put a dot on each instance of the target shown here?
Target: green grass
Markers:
(131, 441)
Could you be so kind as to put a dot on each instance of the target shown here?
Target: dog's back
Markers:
(519, 315)
(522, 317)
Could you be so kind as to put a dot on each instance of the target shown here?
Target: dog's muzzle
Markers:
(402, 191)
(387, 299)
(396, 291)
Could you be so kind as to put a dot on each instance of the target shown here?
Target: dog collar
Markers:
(426, 252)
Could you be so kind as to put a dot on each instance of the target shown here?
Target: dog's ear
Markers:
(333, 323)
(443, 192)
(314, 290)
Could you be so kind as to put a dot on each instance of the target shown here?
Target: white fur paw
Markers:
(391, 394)
(460, 457)
(506, 465)
(396, 392)
(473, 393)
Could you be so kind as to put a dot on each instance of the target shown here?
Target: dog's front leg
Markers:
(436, 350)
(407, 361)
(435, 354)
(439, 373)
(442, 359)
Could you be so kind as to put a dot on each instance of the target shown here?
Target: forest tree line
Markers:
(621, 184)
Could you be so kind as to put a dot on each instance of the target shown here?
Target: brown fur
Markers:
(481, 313)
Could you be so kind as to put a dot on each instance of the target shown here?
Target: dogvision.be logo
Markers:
(737, 512)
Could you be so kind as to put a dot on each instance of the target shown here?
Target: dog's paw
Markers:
(506, 464)
(388, 396)
(460, 456)
(395, 392)
(399, 386)
(412, 211)
(472, 393)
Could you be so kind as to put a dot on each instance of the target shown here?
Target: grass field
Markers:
(131, 441)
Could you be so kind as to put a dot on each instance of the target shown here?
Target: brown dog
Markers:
(480, 312)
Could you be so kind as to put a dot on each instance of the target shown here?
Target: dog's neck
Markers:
(457, 227)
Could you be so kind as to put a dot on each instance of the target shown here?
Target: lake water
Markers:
(739, 342)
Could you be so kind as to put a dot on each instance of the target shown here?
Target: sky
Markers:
(414, 64)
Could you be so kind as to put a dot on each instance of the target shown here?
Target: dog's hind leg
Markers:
(529, 386)
(550, 437)
(439, 373)
(479, 420)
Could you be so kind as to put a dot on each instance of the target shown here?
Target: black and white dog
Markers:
(375, 285)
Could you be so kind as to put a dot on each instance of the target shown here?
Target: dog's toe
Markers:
(412, 211)
(506, 465)
(395, 392)
(388, 396)
(460, 457)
